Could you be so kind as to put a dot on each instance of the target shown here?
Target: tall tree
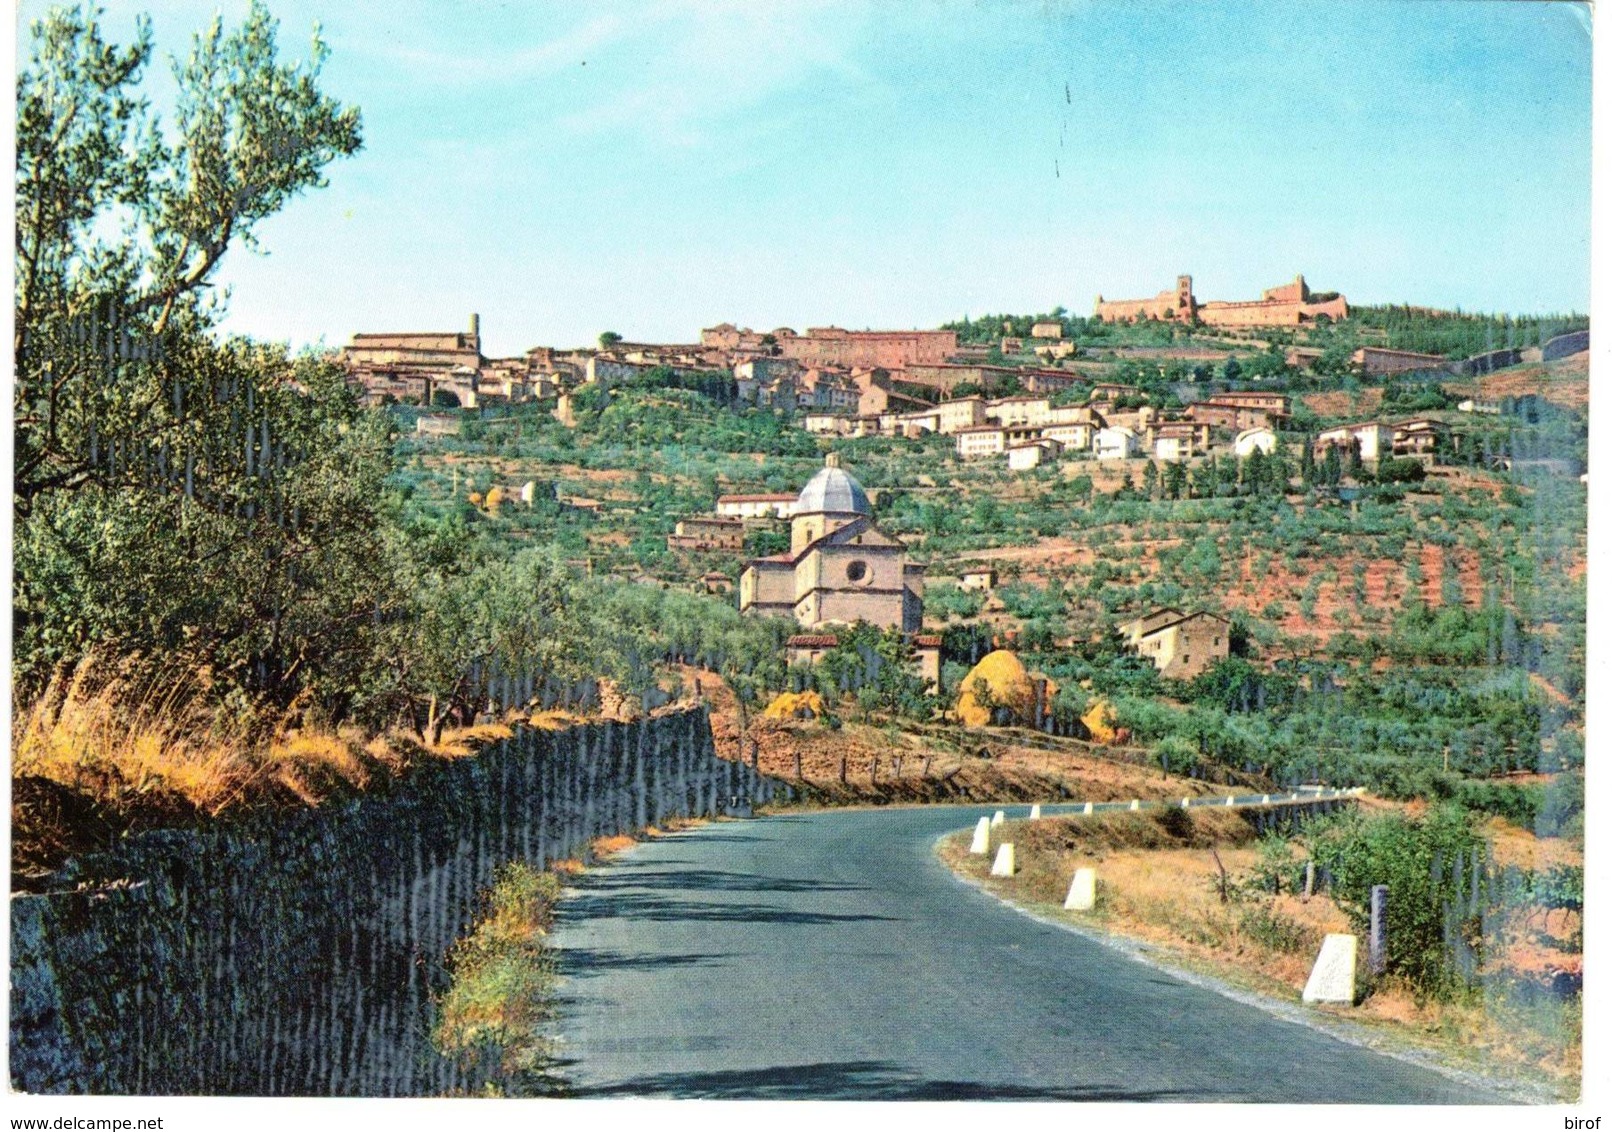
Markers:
(122, 220)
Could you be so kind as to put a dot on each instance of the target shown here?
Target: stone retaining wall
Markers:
(299, 954)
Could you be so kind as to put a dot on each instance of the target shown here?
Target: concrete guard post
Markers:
(1231, 799)
(1082, 891)
(998, 818)
(1332, 979)
(1136, 803)
(1186, 803)
(1035, 812)
(1377, 949)
(982, 837)
(1088, 809)
(1003, 865)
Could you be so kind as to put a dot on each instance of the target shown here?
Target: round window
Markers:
(857, 571)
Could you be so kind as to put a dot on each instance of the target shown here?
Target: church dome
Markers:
(833, 491)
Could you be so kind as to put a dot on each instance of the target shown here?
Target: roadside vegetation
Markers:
(491, 1020)
(1485, 972)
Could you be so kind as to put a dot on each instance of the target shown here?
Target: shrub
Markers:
(1423, 863)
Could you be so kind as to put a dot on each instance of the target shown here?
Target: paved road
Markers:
(831, 956)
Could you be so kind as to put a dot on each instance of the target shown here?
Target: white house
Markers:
(1115, 443)
(1023, 457)
(1251, 440)
(981, 440)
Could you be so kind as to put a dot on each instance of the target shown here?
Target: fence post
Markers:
(1377, 950)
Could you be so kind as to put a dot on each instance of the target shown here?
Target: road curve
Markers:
(831, 956)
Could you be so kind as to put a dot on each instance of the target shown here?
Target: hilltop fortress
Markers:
(1288, 305)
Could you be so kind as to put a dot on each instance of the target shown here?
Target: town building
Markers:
(1253, 440)
(1423, 439)
(1278, 405)
(415, 365)
(840, 567)
(705, 533)
(1115, 443)
(763, 506)
(981, 440)
(1373, 440)
(965, 412)
(1220, 414)
(716, 582)
(1288, 305)
(1075, 436)
(1180, 645)
(978, 578)
(1047, 330)
(1176, 442)
(767, 382)
(890, 349)
(1032, 454)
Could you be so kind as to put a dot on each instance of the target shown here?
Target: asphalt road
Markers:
(831, 956)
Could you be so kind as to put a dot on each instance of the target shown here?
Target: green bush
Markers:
(1424, 863)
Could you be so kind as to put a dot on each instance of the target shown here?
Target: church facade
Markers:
(840, 568)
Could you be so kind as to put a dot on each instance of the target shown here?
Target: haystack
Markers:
(1009, 686)
(795, 705)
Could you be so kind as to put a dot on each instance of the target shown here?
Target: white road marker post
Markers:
(1136, 803)
(1088, 808)
(1003, 865)
(1332, 979)
(1186, 803)
(1082, 891)
(1231, 799)
(1035, 812)
(998, 818)
(982, 838)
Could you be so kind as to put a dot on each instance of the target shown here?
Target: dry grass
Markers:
(120, 739)
(1158, 881)
(103, 751)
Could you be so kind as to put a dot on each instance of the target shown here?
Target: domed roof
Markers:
(835, 491)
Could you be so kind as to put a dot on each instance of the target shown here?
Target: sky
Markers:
(652, 168)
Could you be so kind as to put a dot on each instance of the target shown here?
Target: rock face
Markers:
(298, 954)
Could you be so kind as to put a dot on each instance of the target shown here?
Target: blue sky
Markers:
(656, 167)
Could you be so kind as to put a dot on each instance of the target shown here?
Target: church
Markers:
(840, 568)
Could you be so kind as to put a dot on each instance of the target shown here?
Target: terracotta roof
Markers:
(927, 641)
(812, 641)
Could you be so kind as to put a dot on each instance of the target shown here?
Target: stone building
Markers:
(1373, 440)
(706, 533)
(1287, 305)
(1180, 645)
(415, 365)
(840, 568)
(768, 505)
(891, 349)
(1254, 440)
